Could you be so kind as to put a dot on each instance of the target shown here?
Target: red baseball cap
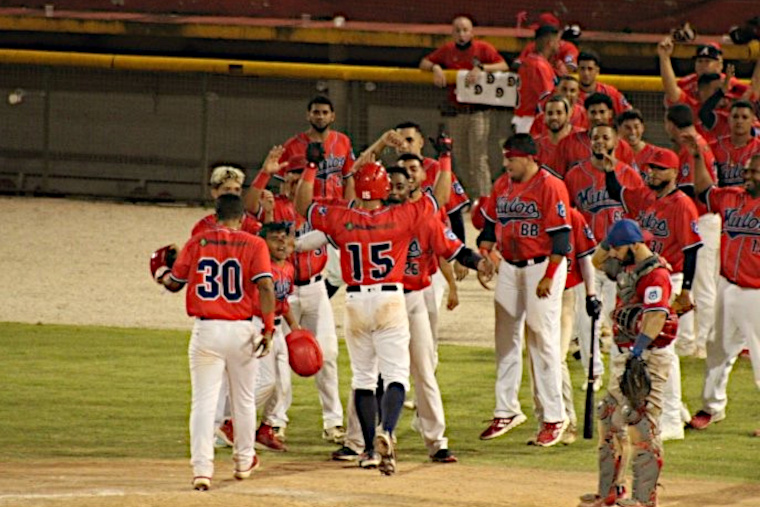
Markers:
(664, 158)
(545, 19)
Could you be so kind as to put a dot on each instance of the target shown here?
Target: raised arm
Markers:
(271, 166)
(305, 190)
(669, 82)
(702, 178)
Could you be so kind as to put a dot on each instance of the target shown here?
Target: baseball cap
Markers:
(546, 30)
(664, 158)
(296, 163)
(712, 51)
(624, 232)
(545, 19)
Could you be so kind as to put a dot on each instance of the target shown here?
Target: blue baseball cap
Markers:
(624, 232)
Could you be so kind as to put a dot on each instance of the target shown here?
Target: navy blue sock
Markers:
(379, 391)
(393, 403)
(366, 411)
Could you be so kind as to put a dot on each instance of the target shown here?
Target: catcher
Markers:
(644, 324)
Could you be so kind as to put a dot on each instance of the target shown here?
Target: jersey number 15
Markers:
(380, 262)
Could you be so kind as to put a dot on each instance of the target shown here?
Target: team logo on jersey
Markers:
(450, 235)
(322, 210)
(561, 211)
(516, 209)
(592, 200)
(657, 226)
(695, 227)
(730, 175)
(652, 295)
(685, 170)
(414, 249)
(281, 289)
(588, 232)
(737, 224)
(458, 189)
(331, 165)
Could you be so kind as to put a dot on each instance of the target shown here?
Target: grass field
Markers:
(84, 392)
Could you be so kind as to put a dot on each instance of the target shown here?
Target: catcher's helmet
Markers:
(372, 182)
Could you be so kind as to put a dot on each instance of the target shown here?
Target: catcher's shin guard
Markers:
(613, 444)
(647, 461)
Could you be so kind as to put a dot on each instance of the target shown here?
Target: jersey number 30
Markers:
(220, 279)
(380, 262)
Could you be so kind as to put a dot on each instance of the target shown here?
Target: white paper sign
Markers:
(491, 88)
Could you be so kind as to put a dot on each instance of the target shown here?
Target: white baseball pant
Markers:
(517, 308)
(433, 294)
(583, 324)
(332, 270)
(311, 309)
(522, 124)
(701, 328)
(274, 391)
(606, 291)
(219, 347)
(674, 413)
(737, 325)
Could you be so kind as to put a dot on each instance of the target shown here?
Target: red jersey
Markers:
(525, 213)
(685, 177)
(306, 264)
(689, 85)
(740, 234)
(339, 159)
(373, 243)
(619, 102)
(250, 225)
(458, 197)
(730, 160)
(221, 267)
(563, 61)
(548, 152)
(449, 56)
(432, 240)
(642, 158)
(578, 118)
(587, 189)
(282, 276)
(535, 83)
(577, 147)
(582, 243)
(672, 220)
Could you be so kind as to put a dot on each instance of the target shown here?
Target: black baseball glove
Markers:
(635, 383)
(315, 153)
(593, 307)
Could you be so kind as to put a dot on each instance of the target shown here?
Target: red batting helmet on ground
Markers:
(304, 353)
(372, 182)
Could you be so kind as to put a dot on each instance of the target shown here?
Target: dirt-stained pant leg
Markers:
(613, 447)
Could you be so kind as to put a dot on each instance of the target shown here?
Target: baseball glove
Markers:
(162, 260)
(635, 383)
(304, 353)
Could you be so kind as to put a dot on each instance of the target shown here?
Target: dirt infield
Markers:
(78, 262)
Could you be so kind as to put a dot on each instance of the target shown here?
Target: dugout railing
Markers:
(148, 127)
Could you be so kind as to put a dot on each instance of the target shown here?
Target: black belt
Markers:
(301, 283)
(277, 321)
(526, 263)
(213, 318)
(384, 288)
(408, 291)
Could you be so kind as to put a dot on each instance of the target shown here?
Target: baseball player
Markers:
(645, 324)
(586, 187)
(374, 241)
(733, 151)
(536, 78)
(737, 323)
(695, 328)
(580, 269)
(526, 219)
(588, 71)
(630, 127)
(568, 88)
(333, 180)
(556, 127)
(671, 217)
(577, 146)
(222, 268)
(273, 386)
(565, 60)
(309, 302)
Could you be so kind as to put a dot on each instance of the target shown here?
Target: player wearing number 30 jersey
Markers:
(373, 240)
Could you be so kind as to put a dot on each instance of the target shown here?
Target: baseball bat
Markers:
(588, 416)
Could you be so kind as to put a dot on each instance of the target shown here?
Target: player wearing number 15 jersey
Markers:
(222, 267)
(373, 240)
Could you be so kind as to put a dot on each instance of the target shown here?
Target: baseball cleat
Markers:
(336, 435)
(702, 420)
(345, 454)
(279, 432)
(570, 435)
(444, 456)
(245, 474)
(226, 432)
(384, 447)
(551, 433)
(501, 425)
(369, 459)
(201, 483)
(266, 439)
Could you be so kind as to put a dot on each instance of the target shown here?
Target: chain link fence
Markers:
(153, 135)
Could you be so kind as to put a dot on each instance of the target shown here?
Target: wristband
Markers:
(642, 342)
(605, 245)
(551, 269)
(268, 323)
(310, 173)
(445, 167)
(260, 181)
